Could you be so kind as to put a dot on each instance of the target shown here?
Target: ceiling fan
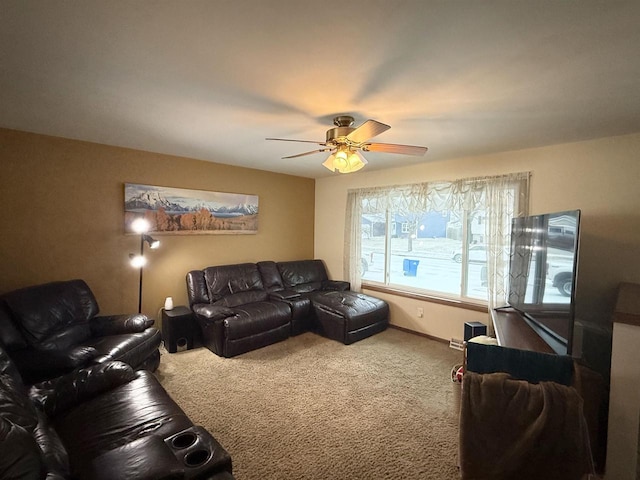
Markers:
(345, 141)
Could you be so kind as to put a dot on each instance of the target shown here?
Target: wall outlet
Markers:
(420, 312)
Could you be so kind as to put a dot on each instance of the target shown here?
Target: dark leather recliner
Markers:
(234, 309)
(53, 328)
(247, 306)
(102, 422)
(338, 313)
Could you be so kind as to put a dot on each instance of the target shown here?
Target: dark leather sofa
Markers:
(248, 306)
(54, 328)
(103, 422)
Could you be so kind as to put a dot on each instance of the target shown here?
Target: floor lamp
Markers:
(141, 226)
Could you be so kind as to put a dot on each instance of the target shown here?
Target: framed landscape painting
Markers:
(183, 211)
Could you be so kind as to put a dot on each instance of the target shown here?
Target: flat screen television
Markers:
(543, 269)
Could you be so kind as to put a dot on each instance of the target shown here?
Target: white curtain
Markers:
(359, 202)
(352, 236)
(502, 197)
(507, 196)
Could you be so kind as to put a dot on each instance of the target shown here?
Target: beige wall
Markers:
(599, 177)
(61, 210)
(62, 203)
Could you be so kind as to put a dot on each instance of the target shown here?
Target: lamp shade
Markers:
(341, 161)
(137, 261)
(345, 160)
(140, 225)
(355, 162)
(153, 243)
(329, 163)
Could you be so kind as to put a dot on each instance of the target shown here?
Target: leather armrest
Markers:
(284, 295)
(146, 458)
(118, 324)
(35, 365)
(336, 285)
(213, 313)
(62, 393)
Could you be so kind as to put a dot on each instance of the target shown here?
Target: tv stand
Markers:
(512, 330)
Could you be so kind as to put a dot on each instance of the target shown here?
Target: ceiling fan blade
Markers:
(303, 141)
(394, 148)
(307, 153)
(367, 130)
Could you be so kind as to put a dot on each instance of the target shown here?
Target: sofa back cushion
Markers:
(15, 405)
(10, 336)
(197, 290)
(227, 280)
(54, 454)
(271, 278)
(28, 444)
(303, 275)
(21, 456)
(7, 367)
(56, 311)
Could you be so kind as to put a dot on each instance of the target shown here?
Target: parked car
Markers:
(477, 254)
(561, 275)
(562, 237)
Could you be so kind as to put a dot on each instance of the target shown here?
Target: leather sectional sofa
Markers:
(53, 328)
(77, 400)
(103, 422)
(248, 306)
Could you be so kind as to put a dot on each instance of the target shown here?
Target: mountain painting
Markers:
(183, 211)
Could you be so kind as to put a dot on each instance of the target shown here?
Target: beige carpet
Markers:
(311, 408)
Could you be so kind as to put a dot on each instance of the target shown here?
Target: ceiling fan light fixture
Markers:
(353, 164)
(345, 142)
(345, 160)
(328, 163)
(341, 161)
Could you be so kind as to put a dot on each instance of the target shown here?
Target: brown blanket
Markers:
(512, 429)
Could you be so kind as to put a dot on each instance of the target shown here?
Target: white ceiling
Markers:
(211, 79)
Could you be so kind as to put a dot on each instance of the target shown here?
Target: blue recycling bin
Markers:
(410, 267)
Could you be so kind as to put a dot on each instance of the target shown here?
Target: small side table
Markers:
(179, 329)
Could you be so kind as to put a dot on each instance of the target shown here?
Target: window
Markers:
(447, 239)
(433, 252)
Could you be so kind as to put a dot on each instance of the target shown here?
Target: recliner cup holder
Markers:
(196, 458)
(184, 440)
(197, 452)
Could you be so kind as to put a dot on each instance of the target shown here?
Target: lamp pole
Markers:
(141, 226)
(141, 267)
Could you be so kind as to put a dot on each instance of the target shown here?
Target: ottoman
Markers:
(348, 316)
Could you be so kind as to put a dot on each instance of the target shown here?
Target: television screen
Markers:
(542, 274)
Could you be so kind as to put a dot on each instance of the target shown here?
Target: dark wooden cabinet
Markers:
(180, 330)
